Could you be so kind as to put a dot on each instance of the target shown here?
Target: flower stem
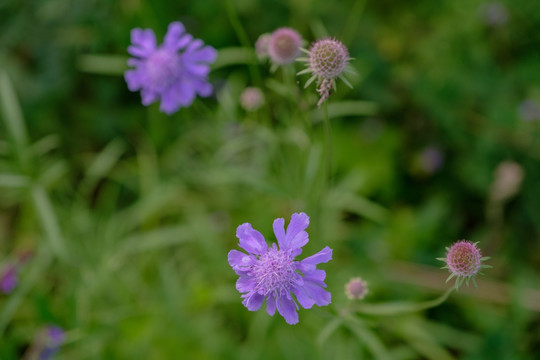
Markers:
(400, 308)
(327, 146)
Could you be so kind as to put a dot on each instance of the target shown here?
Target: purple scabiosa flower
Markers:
(261, 46)
(284, 46)
(464, 261)
(175, 72)
(9, 279)
(272, 273)
(327, 60)
(356, 289)
(252, 99)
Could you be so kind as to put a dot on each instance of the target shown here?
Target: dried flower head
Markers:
(464, 261)
(261, 46)
(327, 60)
(356, 288)
(252, 99)
(273, 274)
(175, 72)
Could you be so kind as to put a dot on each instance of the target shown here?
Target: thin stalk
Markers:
(244, 40)
(327, 146)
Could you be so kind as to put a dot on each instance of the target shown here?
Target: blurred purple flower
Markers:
(164, 72)
(430, 160)
(529, 110)
(494, 13)
(274, 275)
(9, 279)
(46, 343)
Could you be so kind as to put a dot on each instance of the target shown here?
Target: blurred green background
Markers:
(130, 214)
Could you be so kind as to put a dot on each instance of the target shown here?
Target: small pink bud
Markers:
(356, 288)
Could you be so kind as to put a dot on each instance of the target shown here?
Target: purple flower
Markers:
(273, 274)
(164, 72)
(9, 279)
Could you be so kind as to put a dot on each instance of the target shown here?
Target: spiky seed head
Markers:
(328, 58)
(356, 288)
(464, 261)
(284, 45)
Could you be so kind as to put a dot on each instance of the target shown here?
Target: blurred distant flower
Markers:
(252, 99)
(327, 60)
(47, 343)
(284, 46)
(356, 288)
(9, 279)
(175, 72)
(464, 261)
(261, 46)
(529, 110)
(274, 275)
(430, 160)
(507, 182)
(494, 13)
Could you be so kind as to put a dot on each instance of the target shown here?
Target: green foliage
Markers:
(130, 213)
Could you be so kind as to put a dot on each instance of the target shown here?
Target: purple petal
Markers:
(320, 296)
(203, 88)
(316, 276)
(271, 305)
(238, 259)
(194, 45)
(144, 42)
(250, 239)
(207, 54)
(245, 284)
(303, 297)
(9, 280)
(133, 80)
(170, 101)
(200, 70)
(309, 263)
(174, 33)
(148, 97)
(287, 309)
(295, 236)
(279, 231)
(253, 301)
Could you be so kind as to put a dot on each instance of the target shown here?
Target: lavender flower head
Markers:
(464, 261)
(327, 60)
(175, 72)
(356, 289)
(272, 273)
(284, 46)
(252, 99)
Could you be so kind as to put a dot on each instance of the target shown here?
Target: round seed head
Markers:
(284, 46)
(328, 58)
(252, 99)
(464, 259)
(356, 288)
(262, 44)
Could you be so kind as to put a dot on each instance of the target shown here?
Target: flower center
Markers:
(163, 67)
(274, 272)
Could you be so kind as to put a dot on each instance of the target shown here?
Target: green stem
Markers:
(327, 146)
(400, 308)
(244, 40)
